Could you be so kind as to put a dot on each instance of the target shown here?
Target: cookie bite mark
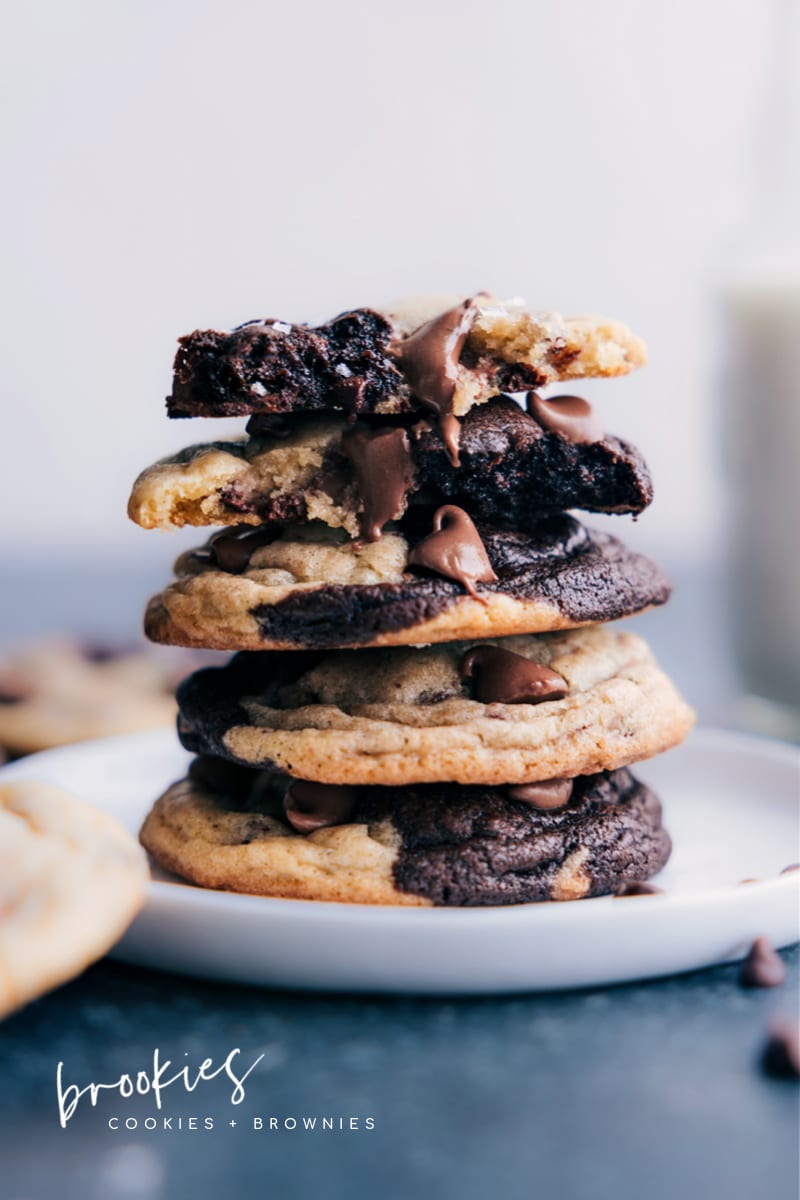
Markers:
(454, 549)
(429, 360)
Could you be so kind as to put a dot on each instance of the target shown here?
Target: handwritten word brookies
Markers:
(152, 1081)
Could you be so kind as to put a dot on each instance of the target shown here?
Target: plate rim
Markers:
(179, 896)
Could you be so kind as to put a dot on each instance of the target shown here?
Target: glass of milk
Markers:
(761, 407)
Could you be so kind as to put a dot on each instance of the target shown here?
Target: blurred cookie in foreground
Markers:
(55, 692)
(253, 831)
(71, 881)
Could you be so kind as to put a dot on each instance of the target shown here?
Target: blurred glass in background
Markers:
(761, 403)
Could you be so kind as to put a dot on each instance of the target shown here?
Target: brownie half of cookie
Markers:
(444, 844)
(513, 471)
(274, 367)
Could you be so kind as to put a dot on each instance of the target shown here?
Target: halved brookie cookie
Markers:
(437, 354)
(246, 831)
(503, 710)
(311, 586)
(71, 881)
(515, 467)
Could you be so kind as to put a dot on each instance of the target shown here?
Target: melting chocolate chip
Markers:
(232, 548)
(762, 967)
(502, 677)
(454, 549)
(571, 416)
(384, 471)
(638, 889)
(545, 795)
(791, 867)
(309, 806)
(781, 1056)
(429, 360)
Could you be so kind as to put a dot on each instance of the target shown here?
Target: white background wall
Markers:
(172, 165)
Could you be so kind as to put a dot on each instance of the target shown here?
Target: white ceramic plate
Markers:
(731, 805)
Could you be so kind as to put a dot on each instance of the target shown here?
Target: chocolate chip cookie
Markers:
(313, 586)
(439, 714)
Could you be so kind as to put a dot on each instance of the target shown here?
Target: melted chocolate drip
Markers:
(429, 360)
(501, 677)
(384, 471)
(454, 549)
(571, 416)
(309, 806)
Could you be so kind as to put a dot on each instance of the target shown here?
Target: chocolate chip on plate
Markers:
(638, 889)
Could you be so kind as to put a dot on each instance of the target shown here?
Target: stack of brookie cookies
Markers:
(427, 704)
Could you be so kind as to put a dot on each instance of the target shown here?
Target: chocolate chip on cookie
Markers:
(406, 716)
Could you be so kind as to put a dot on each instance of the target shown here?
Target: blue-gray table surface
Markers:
(646, 1089)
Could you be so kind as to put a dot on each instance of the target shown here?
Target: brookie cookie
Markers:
(436, 354)
(442, 844)
(515, 467)
(512, 710)
(311, 586)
